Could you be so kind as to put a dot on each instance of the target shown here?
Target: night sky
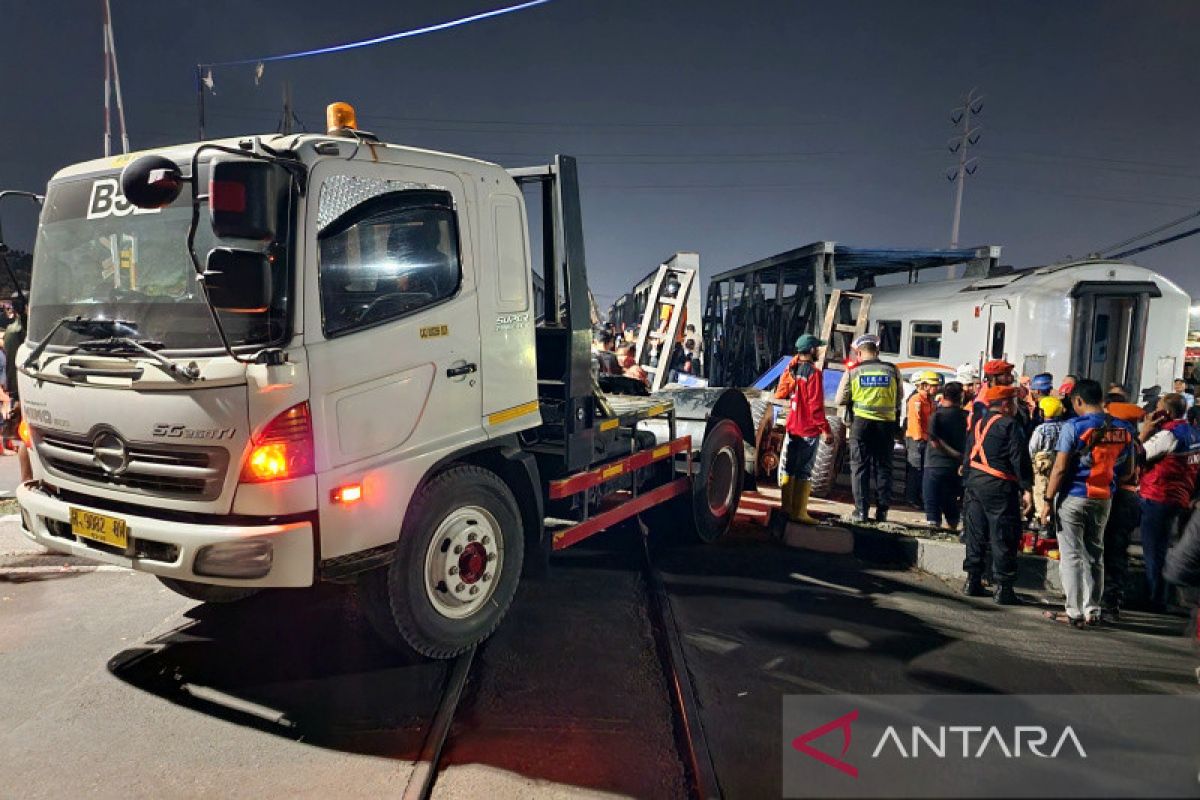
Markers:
(737, 129)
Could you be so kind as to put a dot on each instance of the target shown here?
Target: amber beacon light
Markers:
(340, 117)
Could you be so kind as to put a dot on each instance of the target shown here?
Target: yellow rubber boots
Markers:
(798, 509)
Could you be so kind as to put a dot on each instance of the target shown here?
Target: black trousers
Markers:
(871, 443)
(1126, 514)
(914, 457)
(992, 526)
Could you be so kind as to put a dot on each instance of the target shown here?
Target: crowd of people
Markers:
(615, 353)
(1011, 460)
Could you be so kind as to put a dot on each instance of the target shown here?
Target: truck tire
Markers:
(207, 593)
(717, 485)
(455, 569)
(829, 459)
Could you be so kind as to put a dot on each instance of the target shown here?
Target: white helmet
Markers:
(866, 338)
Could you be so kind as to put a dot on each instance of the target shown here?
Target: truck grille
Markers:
(186, 473)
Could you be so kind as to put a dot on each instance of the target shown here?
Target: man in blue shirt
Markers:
(1094, 450)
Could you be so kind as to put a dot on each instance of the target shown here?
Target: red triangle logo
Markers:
(842, 723)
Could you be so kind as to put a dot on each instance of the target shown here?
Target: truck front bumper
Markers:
(283, 552)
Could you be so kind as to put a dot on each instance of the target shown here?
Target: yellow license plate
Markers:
(99, 528)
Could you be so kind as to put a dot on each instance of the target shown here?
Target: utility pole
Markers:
(960, 144)
(112, 81)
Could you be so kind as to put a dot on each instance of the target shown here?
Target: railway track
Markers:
(690, 739)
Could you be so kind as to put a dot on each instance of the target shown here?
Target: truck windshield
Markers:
(99, 257)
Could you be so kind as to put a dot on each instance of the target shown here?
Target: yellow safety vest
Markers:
(874, 388)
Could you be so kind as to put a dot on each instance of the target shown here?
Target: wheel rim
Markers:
(722, 473)
(463, 562)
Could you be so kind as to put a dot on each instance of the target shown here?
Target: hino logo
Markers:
(167, 430)
(109, 453)
(107, 200)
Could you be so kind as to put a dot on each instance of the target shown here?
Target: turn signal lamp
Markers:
(340, 117)
(23, 433)
(345, 495)
(284, 449)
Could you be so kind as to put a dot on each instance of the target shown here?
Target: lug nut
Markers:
(486, 540)
(454, 570)
(487, 576)
(471, 537)
(491, 556)
(474, 590)
(459, 588)
(457, 549)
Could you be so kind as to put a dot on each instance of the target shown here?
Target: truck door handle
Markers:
(458, 372)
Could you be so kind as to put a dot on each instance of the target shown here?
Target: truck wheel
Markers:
(717, 484)
(207, 593)
(829, 459)
(456, 566)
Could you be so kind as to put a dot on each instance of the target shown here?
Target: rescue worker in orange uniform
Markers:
(807, 425)
(919, 410)
(997, 478)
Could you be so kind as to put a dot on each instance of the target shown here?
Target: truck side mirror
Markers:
(244, 196)
(238, 280)
(151, 182)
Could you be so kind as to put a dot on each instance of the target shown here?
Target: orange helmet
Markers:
(997, 366)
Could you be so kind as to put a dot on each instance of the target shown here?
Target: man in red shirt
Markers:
(806, 426)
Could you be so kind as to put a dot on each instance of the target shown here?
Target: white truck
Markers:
(276, 360)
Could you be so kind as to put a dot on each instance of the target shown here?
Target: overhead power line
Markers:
(1154, 244)
(1151, 232)
(391, 37)
(204, 76)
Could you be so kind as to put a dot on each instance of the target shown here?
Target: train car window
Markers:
(998, 340)
(889, 336)
(925, 339)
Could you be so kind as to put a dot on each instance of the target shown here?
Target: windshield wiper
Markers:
(118, 345)
(118, 338)
(84, 326)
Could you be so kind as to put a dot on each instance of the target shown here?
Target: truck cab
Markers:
(270, 361)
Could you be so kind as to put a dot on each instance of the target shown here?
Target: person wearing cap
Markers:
(871, 392)
(1064, 393)
(1172, 465)
(968, 376)
(944, 457)
(1043, 448)
(997, 478)
(919, 409)
(806, 426)
(1041, 385)
(1095, 451)
(1125, 516)
(996, 372)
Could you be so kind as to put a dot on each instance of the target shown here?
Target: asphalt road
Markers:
(762, 621)
(115, 687)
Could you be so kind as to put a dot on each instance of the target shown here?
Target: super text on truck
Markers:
(272, 361)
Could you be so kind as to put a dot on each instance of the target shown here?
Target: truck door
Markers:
(392, 335)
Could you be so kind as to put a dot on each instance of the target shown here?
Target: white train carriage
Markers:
(1109, 321)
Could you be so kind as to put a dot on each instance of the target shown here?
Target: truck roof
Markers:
(295, 141)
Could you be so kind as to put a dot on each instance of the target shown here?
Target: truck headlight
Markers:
(248, 559)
